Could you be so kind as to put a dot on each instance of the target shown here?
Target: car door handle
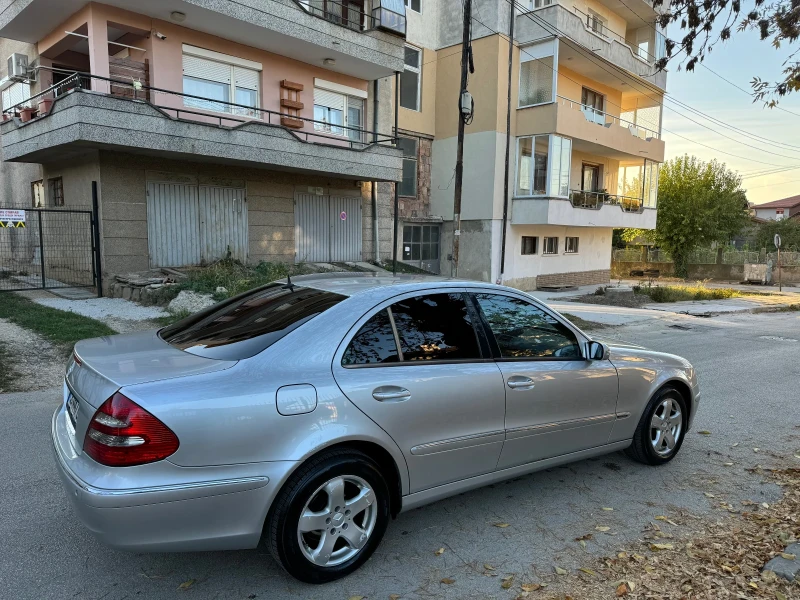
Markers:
(520, 383)
(391, 393)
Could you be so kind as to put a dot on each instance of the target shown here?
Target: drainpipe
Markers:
(508, 146)
(375, 234)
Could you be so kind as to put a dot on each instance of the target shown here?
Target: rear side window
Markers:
(523, 330)
(374, 343)
(435, 327)
(249, 323)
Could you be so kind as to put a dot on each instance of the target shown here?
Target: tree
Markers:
(705, 23)
(789, 230)
(698, 203)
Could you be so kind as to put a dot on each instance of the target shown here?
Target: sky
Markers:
(738, 60)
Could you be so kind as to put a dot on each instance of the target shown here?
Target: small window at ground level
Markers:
(249, 323)
(56, 191)
(435, 327)
(529, 244)
(523, 330)
(37, 194)
(421, 242)
(550, 245)
(571, 245)
(373, 344)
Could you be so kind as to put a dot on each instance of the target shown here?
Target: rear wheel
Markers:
(329, 517)
(660, 432)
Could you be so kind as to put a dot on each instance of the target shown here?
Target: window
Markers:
(529, 244)
(435, 327)
(534, 157)
(595, 22)
(339, 114)
(410, 147)
(592, 99)
(410, 79)
(414, 5)
(421, 242)
(56, 191)
(373, 344)
(651, 169)
(37, 194)
(537, 74)
(248, 323)
(571, 245)
(221, 82)
(590, 177)
(524, 331)
(16, 94)
(550, 245)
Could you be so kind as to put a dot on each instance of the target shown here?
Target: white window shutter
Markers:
(329, 99)
(247, 78)
(209, 70)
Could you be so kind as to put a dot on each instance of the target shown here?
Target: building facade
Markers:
(777, 210)
(251, 130)
(584, 138)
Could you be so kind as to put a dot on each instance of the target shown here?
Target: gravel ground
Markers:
(748, 370)
(37, 363)
(105, 308)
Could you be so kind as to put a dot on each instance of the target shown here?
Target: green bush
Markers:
(682, 293)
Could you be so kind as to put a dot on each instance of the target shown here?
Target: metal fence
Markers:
(48, 248)
(709, 256)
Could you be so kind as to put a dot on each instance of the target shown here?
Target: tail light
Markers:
(123, 434)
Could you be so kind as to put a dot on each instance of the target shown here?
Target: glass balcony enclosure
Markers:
(543, 166)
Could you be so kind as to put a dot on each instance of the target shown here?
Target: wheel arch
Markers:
(683, 388)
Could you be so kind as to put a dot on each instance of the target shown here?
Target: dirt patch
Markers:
(34, 363)
(629, 301)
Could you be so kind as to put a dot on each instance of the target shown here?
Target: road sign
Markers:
(777, 240)
(12, 218)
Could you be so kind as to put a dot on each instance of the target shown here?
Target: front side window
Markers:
(571, 245)
(550, 245)
(56, 191)
(435, 327)
(410, 148)
(373, 344)
(220, 86)
(247, 324)
(529, 244)
(421, 242)
(410, 79)
(523, 330)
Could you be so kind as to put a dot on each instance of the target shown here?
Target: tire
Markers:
(320, 556)
(651, 445)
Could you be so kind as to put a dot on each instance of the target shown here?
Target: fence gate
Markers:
(328, 228)
(48, 248)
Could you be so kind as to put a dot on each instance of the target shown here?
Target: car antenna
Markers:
(289, 285)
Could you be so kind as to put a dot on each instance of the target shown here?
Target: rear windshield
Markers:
(249, 323)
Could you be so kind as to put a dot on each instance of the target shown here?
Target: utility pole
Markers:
(465, 62)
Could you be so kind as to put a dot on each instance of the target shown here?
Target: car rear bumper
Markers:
(203, 511)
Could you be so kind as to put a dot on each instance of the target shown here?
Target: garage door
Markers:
(328, 228)
(192, 225)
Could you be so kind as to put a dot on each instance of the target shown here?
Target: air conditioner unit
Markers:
(18, 67)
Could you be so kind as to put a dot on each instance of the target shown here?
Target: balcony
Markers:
(581, 37)
(67, 120)
(583, 209)
(355, 39)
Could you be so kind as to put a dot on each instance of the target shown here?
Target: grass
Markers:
(680, 293)
(584, 324)
(7, 373)
(61, 328)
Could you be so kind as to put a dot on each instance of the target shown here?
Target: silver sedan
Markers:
(308, 412)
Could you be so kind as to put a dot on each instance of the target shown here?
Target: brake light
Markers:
(123, 434)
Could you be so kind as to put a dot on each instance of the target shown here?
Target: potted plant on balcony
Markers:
(26, 113)
(45, 104)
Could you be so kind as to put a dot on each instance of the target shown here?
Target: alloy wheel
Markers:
(337, 521)
(666, 427)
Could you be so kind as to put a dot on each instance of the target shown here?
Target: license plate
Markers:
(72, 410)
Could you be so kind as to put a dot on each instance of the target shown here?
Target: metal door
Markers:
(223, 224)
(327, 228)
(173, 225)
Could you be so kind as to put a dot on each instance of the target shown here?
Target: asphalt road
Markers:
(749, 373)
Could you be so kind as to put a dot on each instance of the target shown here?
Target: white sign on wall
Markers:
(12, 218)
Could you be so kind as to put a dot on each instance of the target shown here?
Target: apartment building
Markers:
(254, 129)
(584, 137)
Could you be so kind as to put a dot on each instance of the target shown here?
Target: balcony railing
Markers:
(596, 200)
(597, 26)
(594, 115)
(360, 15)
(199, 109)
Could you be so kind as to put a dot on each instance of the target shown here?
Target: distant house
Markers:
(778, 209)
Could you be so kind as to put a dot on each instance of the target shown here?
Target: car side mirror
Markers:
(597, 351)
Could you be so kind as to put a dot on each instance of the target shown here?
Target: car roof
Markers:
(353, 284)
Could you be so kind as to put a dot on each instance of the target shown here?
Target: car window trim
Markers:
(397, 344)
(498, 357)
(387, 304)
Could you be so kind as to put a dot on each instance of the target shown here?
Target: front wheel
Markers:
(329, 517)
(660, 432)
